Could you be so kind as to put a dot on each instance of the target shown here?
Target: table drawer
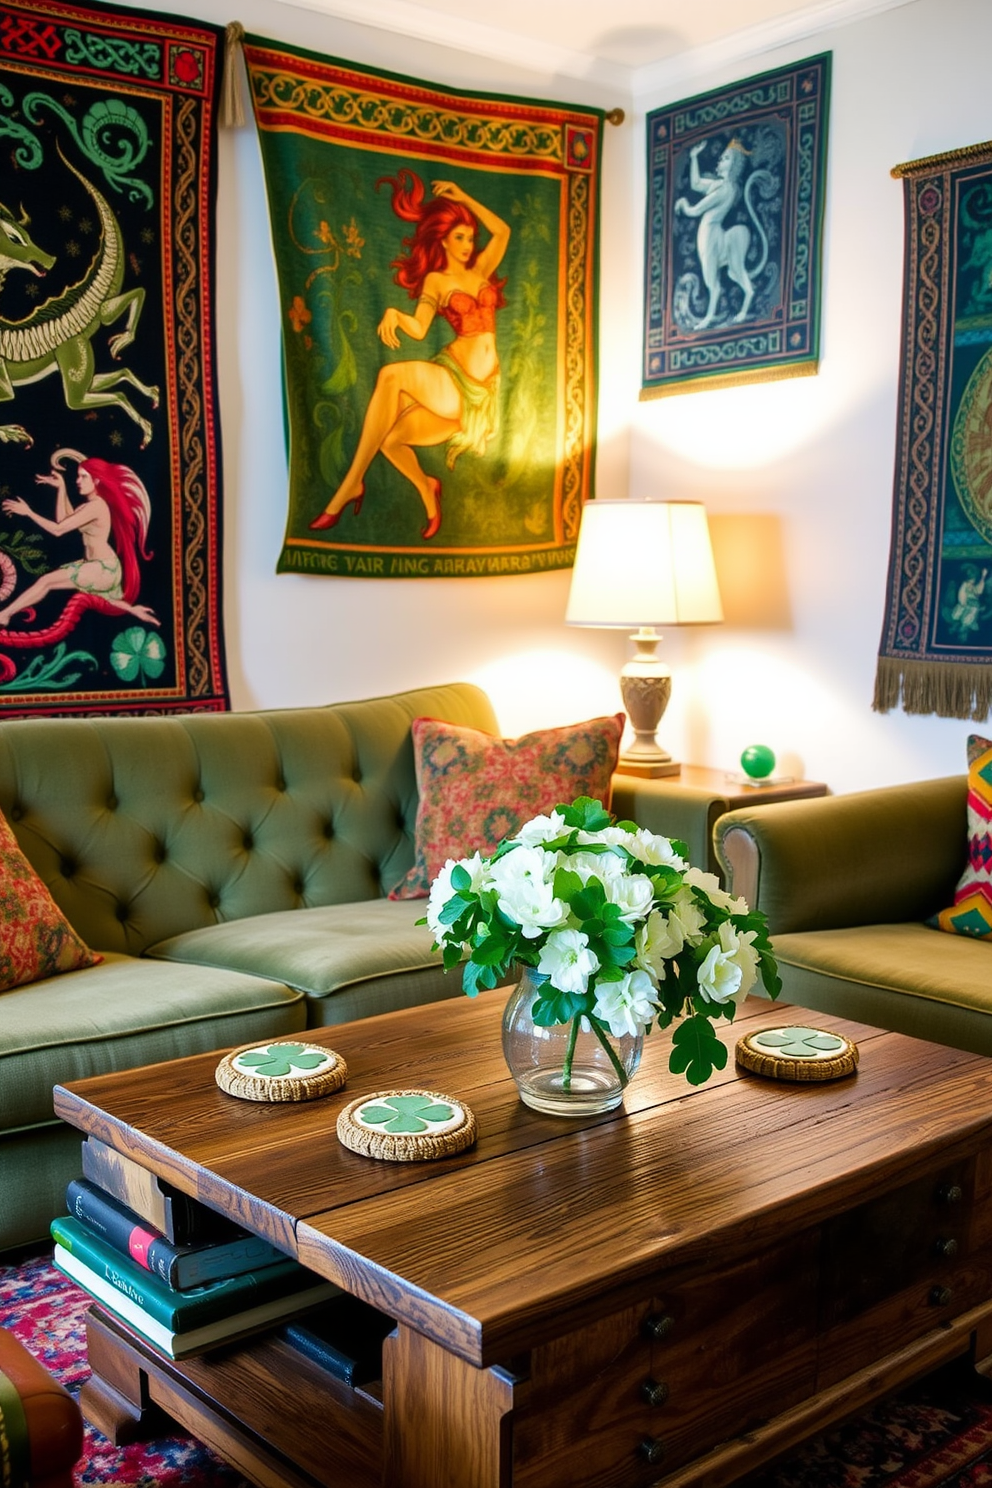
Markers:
(653, 1386)
(916, 1233)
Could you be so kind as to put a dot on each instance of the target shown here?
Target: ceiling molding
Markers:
(465, 35)
(658, 77)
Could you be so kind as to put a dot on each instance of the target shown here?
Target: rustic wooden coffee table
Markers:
(674, 1293)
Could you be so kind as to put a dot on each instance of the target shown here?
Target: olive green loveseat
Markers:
(847, 883)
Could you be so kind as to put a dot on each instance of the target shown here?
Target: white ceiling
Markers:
(637, 43)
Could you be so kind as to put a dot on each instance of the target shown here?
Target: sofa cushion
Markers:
(36, 939)
(971, 912)
(898, 976)
(476, 789)
(350, 960)
(125, 1013)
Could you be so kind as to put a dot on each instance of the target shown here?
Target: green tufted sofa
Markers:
(232, 869)
(847, 883)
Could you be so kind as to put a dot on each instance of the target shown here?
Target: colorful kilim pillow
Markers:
(476, 789)
(36, 940)
(971, 913)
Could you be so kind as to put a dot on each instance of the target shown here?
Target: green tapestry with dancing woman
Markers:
(437, 261)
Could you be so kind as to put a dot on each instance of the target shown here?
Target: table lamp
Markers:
(638, 565)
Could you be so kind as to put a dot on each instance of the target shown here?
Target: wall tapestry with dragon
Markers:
(437, 269)
(109, 455)
(936, 649)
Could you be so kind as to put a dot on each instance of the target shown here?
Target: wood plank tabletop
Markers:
(546, 1220)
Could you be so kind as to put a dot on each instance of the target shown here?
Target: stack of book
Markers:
(182, 1276)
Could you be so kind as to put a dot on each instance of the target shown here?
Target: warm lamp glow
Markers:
(641, 564)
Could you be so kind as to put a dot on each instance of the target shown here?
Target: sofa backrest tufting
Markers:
(143, 828)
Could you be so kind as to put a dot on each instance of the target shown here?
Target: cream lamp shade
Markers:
(640, 565)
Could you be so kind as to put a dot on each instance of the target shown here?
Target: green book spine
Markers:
(185, 1310)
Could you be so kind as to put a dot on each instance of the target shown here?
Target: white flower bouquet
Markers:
(616, 928)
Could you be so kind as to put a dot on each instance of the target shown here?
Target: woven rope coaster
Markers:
(406, 1126)
(797, 1053)
(284, 1070)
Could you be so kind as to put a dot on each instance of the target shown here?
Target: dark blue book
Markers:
(344, 1336)
(179, 1266)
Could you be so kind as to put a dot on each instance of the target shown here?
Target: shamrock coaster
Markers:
(797, 1053)
(281, 1071)
(406, 1126)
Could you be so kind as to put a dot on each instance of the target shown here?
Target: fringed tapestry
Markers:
(736, 183)
(109, 458)
(437, 264)
(936, 649)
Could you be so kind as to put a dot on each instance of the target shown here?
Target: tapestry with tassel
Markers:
(936, 648)
(110, 560)
(437, 263)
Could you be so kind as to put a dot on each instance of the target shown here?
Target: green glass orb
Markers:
(758, 761)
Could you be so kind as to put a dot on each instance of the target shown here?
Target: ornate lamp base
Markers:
(646, 686)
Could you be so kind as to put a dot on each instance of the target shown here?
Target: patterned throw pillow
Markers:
(36, 940)
(971, 913)
(476, 789)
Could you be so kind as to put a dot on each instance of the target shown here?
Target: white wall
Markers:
(813, 456)
(817, 453)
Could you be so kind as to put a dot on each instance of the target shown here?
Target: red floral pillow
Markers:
(476, 789)
(36, 940)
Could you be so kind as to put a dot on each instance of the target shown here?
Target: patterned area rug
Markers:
(936, 1435)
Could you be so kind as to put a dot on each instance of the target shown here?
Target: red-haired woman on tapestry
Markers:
(453, 398)
(115, 505)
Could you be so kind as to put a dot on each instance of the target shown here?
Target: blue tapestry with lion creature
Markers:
(735, 212)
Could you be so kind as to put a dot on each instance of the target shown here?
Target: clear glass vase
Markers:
(569, 1069)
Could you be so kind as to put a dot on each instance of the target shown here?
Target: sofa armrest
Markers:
(672, 809)
(872, 857)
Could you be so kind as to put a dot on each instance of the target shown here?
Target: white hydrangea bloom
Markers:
(627, 1006)
(612, 836)
(648, 847)
(658, 940)
(442, 890)
(531, 903)
(520, 864)
(710, 885)
(541, 829)
(632, 893)
(687, 918)
(730, 969)
(567, 961)
(592, 865)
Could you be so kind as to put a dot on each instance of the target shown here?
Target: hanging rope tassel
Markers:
(232, 109)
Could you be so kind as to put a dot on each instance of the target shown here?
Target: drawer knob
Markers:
(658, 1324)
(946, 1247)
(939, 1296)
(655, 1392)
(950, 1193)
(651, 1449)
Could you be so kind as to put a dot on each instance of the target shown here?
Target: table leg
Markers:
(445, 1421)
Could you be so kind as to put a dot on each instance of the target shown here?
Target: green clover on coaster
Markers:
(405, 1113)
(282, 1070)
(406, 1126)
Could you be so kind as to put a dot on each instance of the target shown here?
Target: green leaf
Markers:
(493, 950)
(460, 877)
(567, 884)
(696, 1050)
(559, 1007)
(451, 955)
(455, 907)
(588, 903)
(475, 977)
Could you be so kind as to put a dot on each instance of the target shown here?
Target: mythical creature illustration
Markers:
(58, 335)
(720, 247)
(112, 521)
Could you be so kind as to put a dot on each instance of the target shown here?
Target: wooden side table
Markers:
(688, 805)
